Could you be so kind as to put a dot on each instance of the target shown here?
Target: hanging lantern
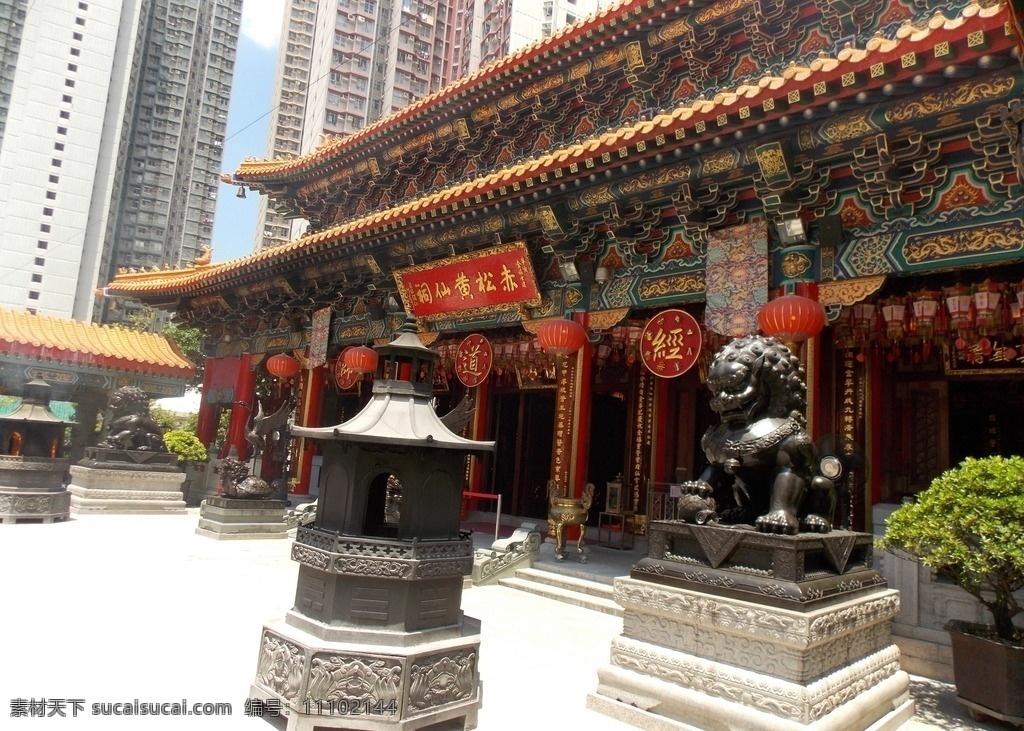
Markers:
(864, 315)
(986, 304)
(792, 319)
(282, 366)
(925, 309)
(361, 359)
(561, 337)
(894, 312)
(958, 303)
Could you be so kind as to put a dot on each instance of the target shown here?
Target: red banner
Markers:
(480, 281)
(473, 360)
(670, 343)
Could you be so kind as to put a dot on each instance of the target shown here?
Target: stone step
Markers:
(567, 580)
(578, 592)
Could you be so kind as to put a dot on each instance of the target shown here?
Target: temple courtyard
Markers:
(140, 611)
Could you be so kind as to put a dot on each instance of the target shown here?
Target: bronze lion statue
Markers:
(129, 425)
(763, 466)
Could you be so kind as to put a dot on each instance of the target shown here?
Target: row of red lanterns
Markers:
(960, 313)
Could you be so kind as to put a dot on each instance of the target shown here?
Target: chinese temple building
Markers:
(661, 163)
(83, 363)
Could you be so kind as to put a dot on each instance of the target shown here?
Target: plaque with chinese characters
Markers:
(670, 343)
(344, 377)
(473, 360)
(479, 282)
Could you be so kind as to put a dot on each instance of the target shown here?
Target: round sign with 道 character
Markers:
(344, 377)
(473, 360)
(670, 343)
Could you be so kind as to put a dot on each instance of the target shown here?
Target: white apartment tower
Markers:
(111, 151)
(344, 64)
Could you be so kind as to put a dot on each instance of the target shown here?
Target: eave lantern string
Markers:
(983, 316)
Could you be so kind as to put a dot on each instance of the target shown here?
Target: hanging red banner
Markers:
(670, 343)
(473, 360)
(344, 377)
(478, 282)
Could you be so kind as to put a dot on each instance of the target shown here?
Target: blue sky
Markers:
(248, 117)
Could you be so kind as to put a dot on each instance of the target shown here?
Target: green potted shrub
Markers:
(190, 451)
(968, 526)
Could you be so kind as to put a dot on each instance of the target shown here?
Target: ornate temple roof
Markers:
(915, 50)
(47, 338)
(464, 90)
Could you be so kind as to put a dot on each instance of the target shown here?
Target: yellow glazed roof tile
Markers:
(52, 338)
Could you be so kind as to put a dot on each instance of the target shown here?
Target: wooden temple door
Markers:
(524, 429)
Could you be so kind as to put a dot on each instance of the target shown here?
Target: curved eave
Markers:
(44, 338)
(603, 22)
(396, 418)
(693, 120)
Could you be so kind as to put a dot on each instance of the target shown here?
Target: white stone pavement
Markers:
(110, 609)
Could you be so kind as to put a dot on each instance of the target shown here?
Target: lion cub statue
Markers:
(763, 465)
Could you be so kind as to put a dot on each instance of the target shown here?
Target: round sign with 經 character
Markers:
(473, 360)
(344, 377)
(670, 343)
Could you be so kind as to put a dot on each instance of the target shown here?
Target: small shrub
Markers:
(968, 526)
(186, 445)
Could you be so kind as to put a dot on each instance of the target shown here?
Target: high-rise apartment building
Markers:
(343, 64)
(111, 152)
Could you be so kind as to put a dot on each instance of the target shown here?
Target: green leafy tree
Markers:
(189, 340)
(186, 445)
(967, 526)
(166, 419)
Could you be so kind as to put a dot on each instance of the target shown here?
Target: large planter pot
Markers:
(988, 674)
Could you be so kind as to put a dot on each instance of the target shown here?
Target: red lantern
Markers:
(560, 336)
(792, 319)
(360, 359)
(282, 366)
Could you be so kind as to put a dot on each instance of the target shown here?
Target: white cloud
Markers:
(261, 21)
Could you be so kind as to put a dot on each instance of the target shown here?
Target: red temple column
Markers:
(310, 407)
(206, 423)
(245, 390)
(478, 430)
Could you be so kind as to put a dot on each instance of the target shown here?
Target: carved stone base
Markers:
(428, 679)
(225, 518)
(45, 506)
(143, 491)
(692, 660)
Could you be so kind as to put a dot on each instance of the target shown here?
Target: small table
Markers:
(615, 530)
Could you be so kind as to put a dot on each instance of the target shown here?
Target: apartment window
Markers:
(77, 36)
(51, 195)
(44, 227)
(64, 113)
(55, 162)
(76, 51)
(37, 278)
(40, 261)
(54, 178)
(72, 67)
(66, 98)
(47, 211)
(83, 6)
(58, 146)
(62, 130)
(40, 244)
(79, 21)
(69, 82)
(33, 295)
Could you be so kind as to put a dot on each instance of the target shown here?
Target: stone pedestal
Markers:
(726, 628)
(126, 481)
(31, 490)
(376, 639)
(226, 518)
